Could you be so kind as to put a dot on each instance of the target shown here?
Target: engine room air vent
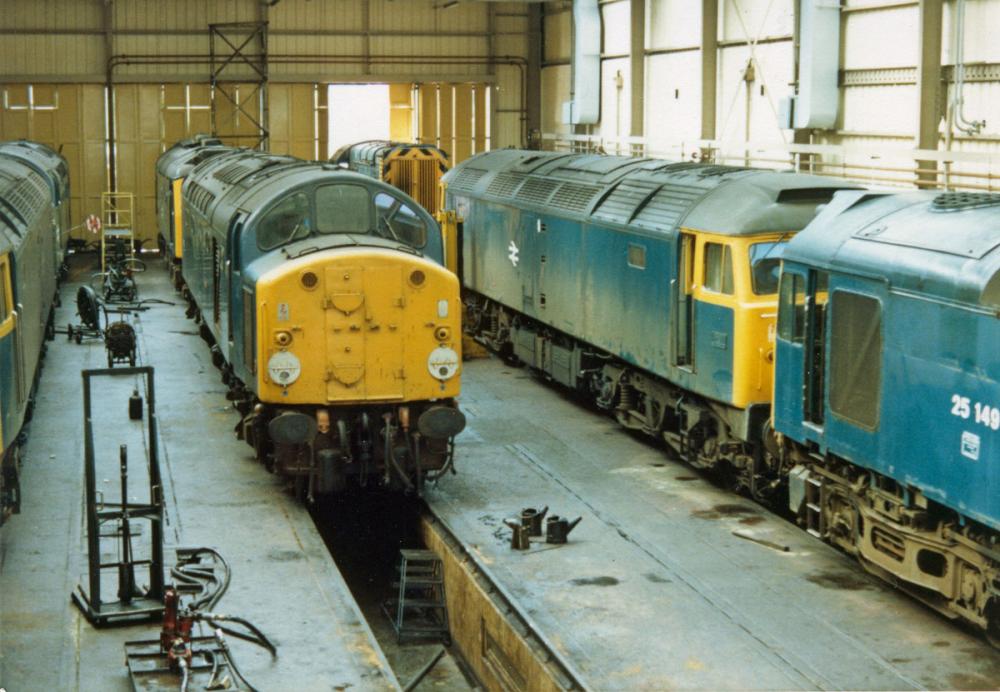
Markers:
(619, 206)
(537, 190)
(958, 201)
(29, 196)
(231, 173)
(201, 198)
(505, 184)
(668, 205)
(466, 179)
(574, 197)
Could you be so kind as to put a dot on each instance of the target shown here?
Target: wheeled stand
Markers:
(132, 604)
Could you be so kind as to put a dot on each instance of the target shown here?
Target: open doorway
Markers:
(356, 112)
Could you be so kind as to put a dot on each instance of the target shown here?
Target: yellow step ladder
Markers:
(117, 217)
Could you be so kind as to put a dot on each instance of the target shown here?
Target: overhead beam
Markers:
(637, 67)
(929, 82)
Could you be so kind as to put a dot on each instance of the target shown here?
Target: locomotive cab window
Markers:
(343, 209)
(991, 294)
(719, 268)
(765, 267)
(792, 308)
(398, 221)
(855, 358)
(287, 222)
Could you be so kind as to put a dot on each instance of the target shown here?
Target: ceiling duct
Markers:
(818, 97)
(584, 106)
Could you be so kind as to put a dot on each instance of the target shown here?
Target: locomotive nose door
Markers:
(365, 332)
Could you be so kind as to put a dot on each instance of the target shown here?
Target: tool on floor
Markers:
(420, 609)
(532, 518)
(760, 541)
(557, 528)
(520, 536)
(132, 603)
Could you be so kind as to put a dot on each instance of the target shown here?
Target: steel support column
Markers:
(242, 60)
(637, 70)
(709, 67)
(929, 82)
(533, 78)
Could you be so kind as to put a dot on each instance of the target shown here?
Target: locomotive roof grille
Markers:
(666, 208)
(574, 197)
(625, 198)
(957, 201)
(505, 184)
(201, 199)
(467, 178)
(232, 173)
(537, 190)
(29, 196)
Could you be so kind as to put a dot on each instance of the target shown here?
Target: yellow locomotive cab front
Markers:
(360, 325)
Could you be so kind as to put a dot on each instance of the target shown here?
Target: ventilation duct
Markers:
(584, 106)
(818, 97)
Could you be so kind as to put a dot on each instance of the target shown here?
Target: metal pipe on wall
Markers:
(122, 60)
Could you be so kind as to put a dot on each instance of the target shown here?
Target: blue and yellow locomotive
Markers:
(172, 167)
(648, 285)
(31, 254)
(887, 394)
(335, 324)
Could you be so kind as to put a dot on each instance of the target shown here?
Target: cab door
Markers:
(814, 379)
(684, 303)
(10, 375)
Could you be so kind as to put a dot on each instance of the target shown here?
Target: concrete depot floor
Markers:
(654, 590)
(284, 579)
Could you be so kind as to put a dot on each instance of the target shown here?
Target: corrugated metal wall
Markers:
(161, 68)
(879, 101)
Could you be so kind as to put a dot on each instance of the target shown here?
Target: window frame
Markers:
(795, 332)
(6, 292)
(834, 377)
(640, 261)
(727, 269)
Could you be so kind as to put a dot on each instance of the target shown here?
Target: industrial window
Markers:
(343, 209)
(855, 358)
(637, 256)
(398, 221)
(718, 268)
(4, 291)
(792, 308)
(249, 357)
(765, 267)
(286, 222)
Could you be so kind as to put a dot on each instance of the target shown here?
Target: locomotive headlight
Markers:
(442, 363)
(284, 368)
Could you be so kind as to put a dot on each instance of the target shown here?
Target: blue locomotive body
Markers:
(887, 389)
(649, 284)
(29, 249)
(53, 168)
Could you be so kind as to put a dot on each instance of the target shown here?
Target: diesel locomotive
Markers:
(887, 391)
(34, 204)
(52, 167)
(172, 167)
(654, 288)
(651, 287)
(416, 169)
(336, 326)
